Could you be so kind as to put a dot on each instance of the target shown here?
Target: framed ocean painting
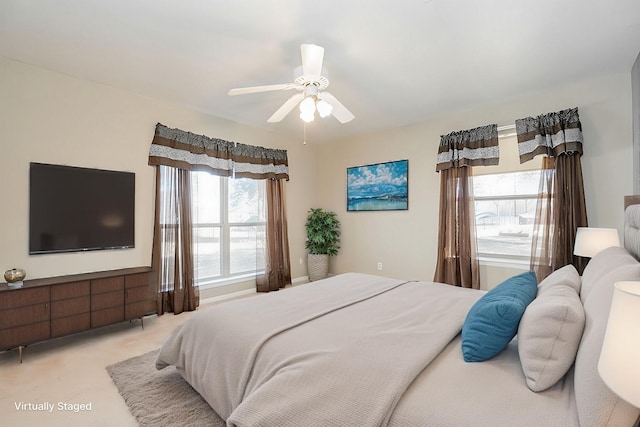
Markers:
(378, 187)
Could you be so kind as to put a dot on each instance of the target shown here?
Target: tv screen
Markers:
(78, 209)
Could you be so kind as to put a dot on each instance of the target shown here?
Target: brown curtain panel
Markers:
(571, 210)
(172, 244)
(560, 211)
(457, 263)
(545, 220)
(561, 206)
(277, 272)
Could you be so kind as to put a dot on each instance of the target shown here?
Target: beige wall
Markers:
(49, 117)
(52, 118)
(635, 109)
(405, 241)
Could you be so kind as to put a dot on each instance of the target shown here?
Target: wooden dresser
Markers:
(59, 306)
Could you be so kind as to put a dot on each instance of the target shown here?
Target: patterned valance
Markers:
(185, 150)
(552, 134)
(474, 147)
(259, 163)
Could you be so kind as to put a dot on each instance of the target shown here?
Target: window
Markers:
(505, 203)
(228, 227)
(505, 208)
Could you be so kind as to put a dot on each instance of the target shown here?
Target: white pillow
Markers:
(549, 335)
(567, 275)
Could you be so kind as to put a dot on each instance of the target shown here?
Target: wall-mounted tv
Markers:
(79, 209)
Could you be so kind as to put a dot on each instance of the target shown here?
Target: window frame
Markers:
(225, 277)
(501, 198)
(509, 163)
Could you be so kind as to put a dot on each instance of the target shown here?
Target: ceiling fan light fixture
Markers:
(310, 80)
(308, 105)
(324, 108)
(307, 117)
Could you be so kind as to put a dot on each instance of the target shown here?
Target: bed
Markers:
(361, 350)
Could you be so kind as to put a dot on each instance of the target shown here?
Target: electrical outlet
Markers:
(300, 261)
(379, 266)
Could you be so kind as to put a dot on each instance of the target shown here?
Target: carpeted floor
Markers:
(160, 398)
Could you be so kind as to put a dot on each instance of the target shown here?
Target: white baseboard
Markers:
(300, 280)
(228, 296)
(294, 282)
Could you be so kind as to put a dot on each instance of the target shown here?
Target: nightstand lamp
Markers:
(590, 240)
(619, 364)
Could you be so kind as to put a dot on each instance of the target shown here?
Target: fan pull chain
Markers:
(304, 133)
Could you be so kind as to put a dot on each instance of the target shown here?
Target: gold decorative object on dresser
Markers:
(14, 277)
(58, 306)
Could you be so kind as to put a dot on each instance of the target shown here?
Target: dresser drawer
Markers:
(24, 315)
(107, 299)
(22, 297)
(138, 294)
(70, 307)
(137, 280)
(70, 324)
(139, 309)
(108, 284)
(107, 316)
(70, 290)
(23, 335)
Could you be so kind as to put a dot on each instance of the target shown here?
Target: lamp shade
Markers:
(307, 117)
(590, 241)
(619, 364)
(308, 105)
(324, 108)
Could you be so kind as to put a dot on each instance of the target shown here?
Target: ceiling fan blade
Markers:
(312, 59)
(339, 111)
(256, 89)
(286, 108)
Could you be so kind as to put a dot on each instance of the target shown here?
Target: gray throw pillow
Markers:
(567, 275)
(549, 335)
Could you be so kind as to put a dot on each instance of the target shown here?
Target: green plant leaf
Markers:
(323, 232)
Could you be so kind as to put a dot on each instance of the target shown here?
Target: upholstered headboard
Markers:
(632, 225)
(597, 404)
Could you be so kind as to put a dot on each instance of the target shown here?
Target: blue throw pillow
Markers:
(493, 320)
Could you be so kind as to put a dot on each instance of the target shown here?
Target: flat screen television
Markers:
(75, 209)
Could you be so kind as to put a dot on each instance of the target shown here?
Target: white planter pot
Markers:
(317, 266)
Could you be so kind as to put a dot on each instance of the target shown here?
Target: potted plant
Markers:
(323, 240)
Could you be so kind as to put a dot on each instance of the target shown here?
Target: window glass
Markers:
(207, 252)
(505, 202)
(246, 248)
(505, 207)
(506, 184)
(228, 225)
(245, 196)
(205, 200)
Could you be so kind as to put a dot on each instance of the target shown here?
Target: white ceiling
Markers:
(390, 62)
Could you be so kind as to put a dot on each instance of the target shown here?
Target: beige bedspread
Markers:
(338, 352)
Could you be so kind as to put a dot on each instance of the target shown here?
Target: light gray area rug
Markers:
(160, 398)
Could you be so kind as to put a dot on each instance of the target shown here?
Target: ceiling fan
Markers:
(310, 80)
